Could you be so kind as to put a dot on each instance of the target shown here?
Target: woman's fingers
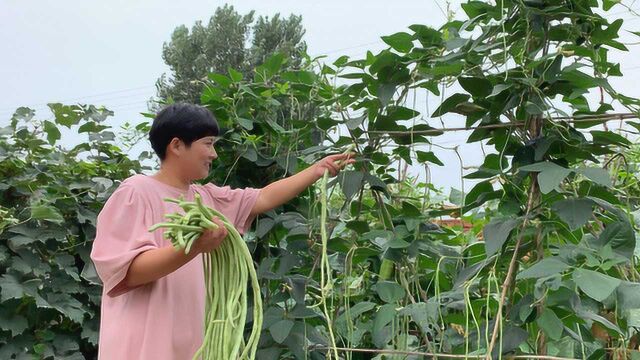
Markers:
(221, 231)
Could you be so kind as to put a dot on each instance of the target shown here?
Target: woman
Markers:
(154, 298)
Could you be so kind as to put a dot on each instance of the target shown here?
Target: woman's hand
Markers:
(211, 239)
(333, 163)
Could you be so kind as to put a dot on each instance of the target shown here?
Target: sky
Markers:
(109, 53)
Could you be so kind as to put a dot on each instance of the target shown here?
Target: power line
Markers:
(571, 119)
(87, 97)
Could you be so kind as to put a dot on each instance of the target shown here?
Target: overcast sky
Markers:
(109, 52)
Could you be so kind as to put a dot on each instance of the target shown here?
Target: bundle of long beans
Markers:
(227, 270)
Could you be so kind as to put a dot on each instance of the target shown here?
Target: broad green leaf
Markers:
(354, 123)
(401, 113)
(477, 87)
(498, 89)
(545, 267)
(236, 76)
(551, 324)
(15, 323)
(326, 123)
(66, 115)
(608, 4)
(512, 337)
(597, 175)
(53, 134)
(359, 309)
(628, 295)
(449, 104)
(385, 93)
(428, 156)
(245, 123)
(426, 35)
(620, 237)
(400, 41)
(575, 212)
(220, 79)
(496, 233)
(481, 189)
(596, 285)
(68, 306)
(609, 138)
(389, 291)
(550, 175)
(381, 332)
(280, 330)
(350, 182)
(91, 127)
(423, 314)
(456, 197)
(46, 212)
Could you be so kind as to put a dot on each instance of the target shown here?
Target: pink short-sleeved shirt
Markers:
(162, 320)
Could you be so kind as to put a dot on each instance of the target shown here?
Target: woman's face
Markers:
(198, 157)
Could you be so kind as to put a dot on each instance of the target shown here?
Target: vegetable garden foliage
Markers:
(555, 273)
(49, 199)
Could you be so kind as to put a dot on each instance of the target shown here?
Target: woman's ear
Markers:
(175, 147)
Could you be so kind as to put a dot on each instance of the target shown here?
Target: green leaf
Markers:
(326, 123)
(477, 87)
(236, 76)
(359, 309)
(478, 192)
(596, 285)
(543, 268)
(220, 79)
(15, 323)
(389, 291)
(575, 212)
(551, 324)
(401, 41)
(597, 175)
(450, 104)
(428, 156)
(66, 115)
(53, 134)
(280, 330)
(46, 212)
(628, 295)
(608, 4)
(498, 89)
(456, 197)
(401, 113)
(620, 236)
(245, 123)
(476, 8)
(10, 288)
(385, 93)
(550, 175)
(68, 306)
(496, 233)
(381, 333)
(608, 138)
(354, 123)
(423, 314)
(512, 338)
(350, 182)
(426, 35)
(91, 127)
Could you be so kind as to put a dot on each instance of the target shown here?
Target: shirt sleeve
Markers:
(121, 235)
(235, 204)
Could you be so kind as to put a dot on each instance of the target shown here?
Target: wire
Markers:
(575, 119)
(85, 97)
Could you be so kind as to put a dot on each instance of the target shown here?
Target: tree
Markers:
(229, 40)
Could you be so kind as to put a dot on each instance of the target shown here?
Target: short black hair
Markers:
(187, 122)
